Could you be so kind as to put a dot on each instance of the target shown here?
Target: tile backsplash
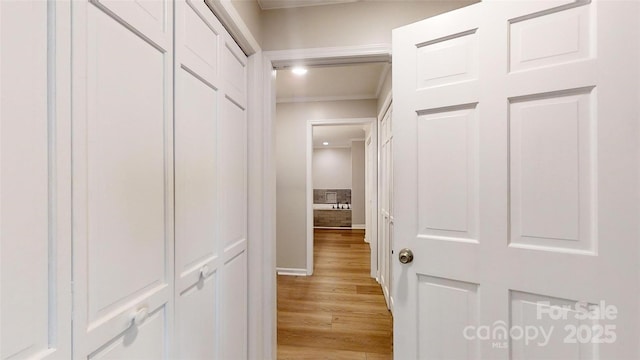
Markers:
(325, 196)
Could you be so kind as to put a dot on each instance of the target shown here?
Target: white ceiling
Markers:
(337, 135)
(285, 4)
(346, 82)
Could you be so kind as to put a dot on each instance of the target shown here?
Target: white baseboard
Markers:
(359, 226)
(291, 272)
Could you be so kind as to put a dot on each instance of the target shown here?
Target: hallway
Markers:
(339, 312)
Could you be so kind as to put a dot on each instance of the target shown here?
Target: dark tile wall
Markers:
(343, 196)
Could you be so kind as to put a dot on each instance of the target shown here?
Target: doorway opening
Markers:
(339, 182)
(323, 289)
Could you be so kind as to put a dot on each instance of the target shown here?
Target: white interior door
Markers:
(371, 235)
(123, 178)
(210, 180)
(232, 203)
(386, 202)
(196, 205)
(516, 165)
(35, 227)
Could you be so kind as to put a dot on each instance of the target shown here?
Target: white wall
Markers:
(291, 171)
(331, 168)
(251, 14)
(357, 183)
(351, 24)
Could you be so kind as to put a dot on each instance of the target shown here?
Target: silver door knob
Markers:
(405, 256)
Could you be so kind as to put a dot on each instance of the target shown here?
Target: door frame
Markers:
(372, 121)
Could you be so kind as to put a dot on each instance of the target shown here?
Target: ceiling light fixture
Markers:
(299, 70)
(325, 143)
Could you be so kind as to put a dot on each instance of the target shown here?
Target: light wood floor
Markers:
(339, 312)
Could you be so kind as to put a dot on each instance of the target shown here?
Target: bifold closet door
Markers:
(123, 178)
(35, 258)
(210, 195)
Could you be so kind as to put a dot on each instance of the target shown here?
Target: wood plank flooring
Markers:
(339, 312)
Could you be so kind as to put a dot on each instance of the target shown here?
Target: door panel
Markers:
(211, 189)
(234, 63)
(233, 229)
(35, 256)
(195, 143)
(234, 301)
(123, 189)
(196, 149)
(141, 343)
(196, 319)
(522, 120)
(447, 174)
(125, 183)
(552, 152)
(197, 34)
(386, 213)
(445, 308)
(233, 175)
(533, 45)
(148, 18)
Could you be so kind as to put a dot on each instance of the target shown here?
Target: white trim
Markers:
(343, 121)
(309, 199)
(372, 193)
(330, 55)
(332, 147)
(303, 99)
(269, 280)
(358, 226)
(385, 106)
(257, 205)
(383, 77)
(232, 21)
(338, 146)
(291, 272)
(287, 4)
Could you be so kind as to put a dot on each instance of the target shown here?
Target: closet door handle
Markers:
(204, 271)
(138, 317)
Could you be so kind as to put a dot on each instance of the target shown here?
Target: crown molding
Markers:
(289, 4)
(330, 55)
(305, 99)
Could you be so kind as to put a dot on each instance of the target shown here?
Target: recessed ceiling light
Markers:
(299, 70)
(325, 143)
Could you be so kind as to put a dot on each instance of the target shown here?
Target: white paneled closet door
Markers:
(386, 202)
(123, 178)
(232, 204)
(35, 257)
(211, 190)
